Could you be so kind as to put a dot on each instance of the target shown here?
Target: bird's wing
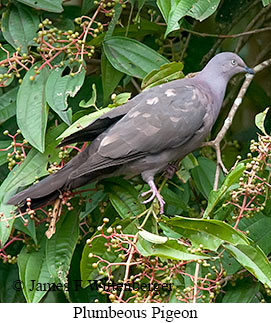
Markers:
(93, 130)
(166, 119)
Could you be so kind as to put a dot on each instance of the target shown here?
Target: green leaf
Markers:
(167, 8)
(60, 247)
(110, 78)
(207, 240)
(229, 263)
(243, 292)
(170, 250)
(28, 229)
(174, 10)
(35, 164)
(19, 26)
(33, 267)
(97, 248)
(8, 105)
(92, 203)
(189, 162)
(5, 226)
(254, 260)
(266, 2)
(259, 120)
(153, 238)
(132, 57)
(124, 197)
(87, 6)
(259, 227)
(174, 203)
(32, 110)
(167, 72)
(217, 196)
(92, 101)
(6, 220)
(48, 5)
(83, 122)
(9, 275)
(121, 99)
(204, 175)
(202, 9)
(59, 88)
(3, 154)
(209, 233)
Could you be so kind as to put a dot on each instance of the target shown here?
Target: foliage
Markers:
(61, 68)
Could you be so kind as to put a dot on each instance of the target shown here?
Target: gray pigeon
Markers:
(160, 125)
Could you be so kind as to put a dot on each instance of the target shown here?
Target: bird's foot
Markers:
(155, 193)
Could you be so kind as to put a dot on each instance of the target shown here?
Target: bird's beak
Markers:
(249, 70)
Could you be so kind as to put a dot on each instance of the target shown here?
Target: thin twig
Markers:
(129, 20)
(196, 275)
(186, 44)
(251, 24)
(128, 265)
(246, 33)
(86, 33)
(228, 28)
(136, 85)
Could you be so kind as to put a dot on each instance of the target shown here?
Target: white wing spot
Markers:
(194, 95)
(108, 140)
(146, 115)
(152, 101)
(134, 114)
(59, 94)
(149, 131)
(170, 92)
(174, 119)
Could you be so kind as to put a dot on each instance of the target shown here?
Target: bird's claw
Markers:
(156, 194)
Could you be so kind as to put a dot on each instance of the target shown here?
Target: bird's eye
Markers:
(233, 62)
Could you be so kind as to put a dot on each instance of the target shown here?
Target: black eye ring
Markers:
(233, 62)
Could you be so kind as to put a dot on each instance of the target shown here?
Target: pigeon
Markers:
(160, 125)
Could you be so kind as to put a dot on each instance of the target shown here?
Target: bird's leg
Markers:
(155, 193)
(171, 170)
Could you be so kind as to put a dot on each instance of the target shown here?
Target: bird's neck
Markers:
(216, 84)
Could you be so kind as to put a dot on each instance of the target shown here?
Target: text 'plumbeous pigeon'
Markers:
(160, 125)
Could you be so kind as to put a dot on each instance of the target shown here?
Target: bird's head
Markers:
(230, 64)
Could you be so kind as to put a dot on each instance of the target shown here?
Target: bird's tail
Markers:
(42, 193)
(49, 188)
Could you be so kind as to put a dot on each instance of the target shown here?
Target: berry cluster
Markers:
(255, 184)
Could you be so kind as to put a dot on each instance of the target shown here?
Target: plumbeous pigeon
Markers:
(160, 125)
